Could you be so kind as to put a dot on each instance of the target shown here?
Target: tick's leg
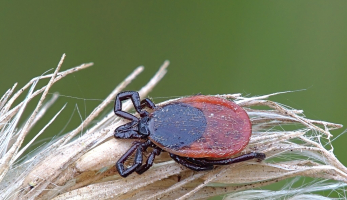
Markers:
(137, 161)
(147, 103)
(135, 98)
(194, 166)
(139, 147)
(149, 161)
(126, 115)
(245, 157)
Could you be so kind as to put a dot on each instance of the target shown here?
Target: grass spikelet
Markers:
(71, 167)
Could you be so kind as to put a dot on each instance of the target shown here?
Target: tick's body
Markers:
(191, 129)
(200, 127)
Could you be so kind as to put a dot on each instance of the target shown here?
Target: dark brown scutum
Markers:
(176, 126)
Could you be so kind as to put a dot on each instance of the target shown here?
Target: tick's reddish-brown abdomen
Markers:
(200, 127)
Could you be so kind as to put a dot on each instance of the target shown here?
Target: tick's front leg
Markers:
(149, 161)
(137, 161)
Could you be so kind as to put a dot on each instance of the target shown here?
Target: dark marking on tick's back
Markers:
(176, 126)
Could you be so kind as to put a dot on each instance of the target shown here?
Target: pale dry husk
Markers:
(82, 167)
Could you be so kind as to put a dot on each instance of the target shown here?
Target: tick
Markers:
(197, 131)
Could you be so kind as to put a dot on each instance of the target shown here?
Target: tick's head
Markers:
(143, 126)
(133, 130)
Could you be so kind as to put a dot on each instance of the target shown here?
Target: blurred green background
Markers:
(248, 47)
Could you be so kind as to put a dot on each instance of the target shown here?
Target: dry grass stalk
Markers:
(83, 167)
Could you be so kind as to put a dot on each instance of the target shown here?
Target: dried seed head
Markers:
(83, 168)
